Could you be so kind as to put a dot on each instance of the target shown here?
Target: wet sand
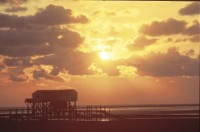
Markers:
(133, 125)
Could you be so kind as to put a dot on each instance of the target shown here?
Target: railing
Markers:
(88, 113)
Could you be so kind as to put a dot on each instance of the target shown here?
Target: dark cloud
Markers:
(75, 63)
(56, 15)
(166, 27)
(22, 37)
(190, 9)
(17, 74)
(51, 15)
(24, 51)
(16, 78)
(169, 27)
(190, 52)
(16, 9)
(12, 21)
(140, 43)
(37, 34)
(35, 37)
(24, 42)
(16, 61)
(165, 65)
(42, 74)
(1, 67)
(180, 40)
(169, 39)
(15, 2)
(55, 71)
(193, 29)
(19, 37)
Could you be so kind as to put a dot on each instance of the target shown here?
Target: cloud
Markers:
(166, 27)
(16, 9)
(16, 78)
(28, 42)
(55, 71)
(41, 73)
(140, 43)
(17, 74)
(170, 27)
(16, 61)
(12, 21)
(56, 15)
(195, 38)
(193, 29)
(104, 12)
(167, 64)
(75, 62)
(51, 15)
(190, 9)
(180, 40)
(39, 35)
(190, 52)
(112, 13)
(56, 46)
(1, 67)
(24, 51)
(15, 2)
(109, 67)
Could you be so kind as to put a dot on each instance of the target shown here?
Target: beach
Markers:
(133, 125)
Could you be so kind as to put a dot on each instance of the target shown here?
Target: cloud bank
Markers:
(190, 9)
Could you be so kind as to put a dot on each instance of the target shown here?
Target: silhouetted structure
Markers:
(53, 103)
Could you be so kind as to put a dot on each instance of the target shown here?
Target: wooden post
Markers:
(27, 114)
(97, 113)
(33, 110)
(109, 113)
(87, 109)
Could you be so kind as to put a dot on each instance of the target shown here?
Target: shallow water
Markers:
(148, 109)
(183, 110)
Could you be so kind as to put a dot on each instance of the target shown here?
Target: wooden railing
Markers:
(88, 113)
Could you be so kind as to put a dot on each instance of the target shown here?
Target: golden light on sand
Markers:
(104, 55)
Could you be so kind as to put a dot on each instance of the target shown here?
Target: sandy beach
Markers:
(133, 125)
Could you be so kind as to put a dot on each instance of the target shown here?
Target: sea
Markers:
(156, 109)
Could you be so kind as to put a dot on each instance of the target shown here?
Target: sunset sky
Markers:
(111, 52)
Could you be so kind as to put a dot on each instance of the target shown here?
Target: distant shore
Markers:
(133, 125)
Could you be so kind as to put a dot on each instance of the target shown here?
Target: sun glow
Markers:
(104, 55)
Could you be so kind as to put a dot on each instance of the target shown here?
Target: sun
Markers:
(104, 55)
